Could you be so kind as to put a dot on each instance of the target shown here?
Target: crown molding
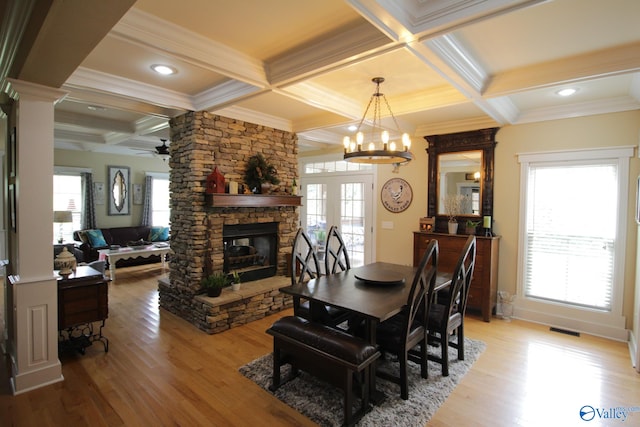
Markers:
(456, 126)
(338, 50)
(429, 18)
(149, 124)
(502, 109)
(322, 97)
(87, 121)
(85, 78)
(163, 36)
(225, 93)
(251, 116)
(36, 91)
(611, 105)
(618, 60)
(78, 138)
(449, 50)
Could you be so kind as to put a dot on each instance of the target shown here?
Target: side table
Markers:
(82, 301)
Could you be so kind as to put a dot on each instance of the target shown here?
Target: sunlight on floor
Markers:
(560, 381)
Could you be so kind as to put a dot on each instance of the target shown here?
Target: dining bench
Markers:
(327, 353)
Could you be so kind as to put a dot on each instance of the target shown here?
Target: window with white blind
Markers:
(568, 258)
(67, 196)
(572, 237)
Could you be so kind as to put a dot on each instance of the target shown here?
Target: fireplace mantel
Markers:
(224, 200)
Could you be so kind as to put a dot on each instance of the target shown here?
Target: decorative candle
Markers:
(487, 222)
(233, 187)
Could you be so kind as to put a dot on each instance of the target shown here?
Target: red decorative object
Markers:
(215, 182)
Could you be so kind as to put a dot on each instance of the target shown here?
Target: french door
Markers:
(345, 201)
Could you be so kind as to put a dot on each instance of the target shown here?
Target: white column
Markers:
(34, 346)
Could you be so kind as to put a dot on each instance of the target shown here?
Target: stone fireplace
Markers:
(201, 141)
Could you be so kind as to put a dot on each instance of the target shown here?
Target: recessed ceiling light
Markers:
(567, 92)
(353, 128)
(165, 70)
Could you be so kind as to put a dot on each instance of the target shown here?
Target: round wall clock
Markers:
(396, 195)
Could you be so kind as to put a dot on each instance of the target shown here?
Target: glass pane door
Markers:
(343, 201)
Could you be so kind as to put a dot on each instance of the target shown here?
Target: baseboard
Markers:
(633, 351)
(601, 330)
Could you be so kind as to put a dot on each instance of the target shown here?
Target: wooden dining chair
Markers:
(405, 334)
(446, 312)
(304, 267)
(336, 257)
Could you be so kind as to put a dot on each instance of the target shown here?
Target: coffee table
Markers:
(113, 255)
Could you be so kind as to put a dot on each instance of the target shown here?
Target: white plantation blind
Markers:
(571, 216)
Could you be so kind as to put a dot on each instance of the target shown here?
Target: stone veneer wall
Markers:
(199, 142)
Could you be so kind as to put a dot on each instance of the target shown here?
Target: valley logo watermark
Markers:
(620, 413)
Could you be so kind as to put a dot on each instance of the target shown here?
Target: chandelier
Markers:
(377, 148)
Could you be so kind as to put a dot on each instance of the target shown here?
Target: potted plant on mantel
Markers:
(235, 280)
(453, 206)
(214, 283)
(260, 175)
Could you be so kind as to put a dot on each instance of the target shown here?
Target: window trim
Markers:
(70, 170)
(609, 324)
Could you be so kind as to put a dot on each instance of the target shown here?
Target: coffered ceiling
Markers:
(306, 66)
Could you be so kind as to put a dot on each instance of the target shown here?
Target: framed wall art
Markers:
(137, 194)
(118, 190)
(98, 193)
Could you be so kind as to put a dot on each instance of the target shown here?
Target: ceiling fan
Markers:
(163, 150)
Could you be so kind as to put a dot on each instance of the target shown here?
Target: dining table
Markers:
(373, 292)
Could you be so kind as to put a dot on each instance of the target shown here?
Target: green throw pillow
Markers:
(96, 239)
(159, 234)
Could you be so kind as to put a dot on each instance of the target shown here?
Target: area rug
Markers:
(322, 403)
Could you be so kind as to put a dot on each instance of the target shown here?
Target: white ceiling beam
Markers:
(609, 105)
(607, 62)
(85, 78)
(157, 34)
(224, 94)
(87, 121)
(338, 50)
(252, 116)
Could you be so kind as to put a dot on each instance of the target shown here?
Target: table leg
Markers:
(376, 396)
(112, 269)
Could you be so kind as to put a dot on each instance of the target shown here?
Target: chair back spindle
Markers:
(336, 257)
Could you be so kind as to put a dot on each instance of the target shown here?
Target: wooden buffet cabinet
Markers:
(483, 292)
(82, 300)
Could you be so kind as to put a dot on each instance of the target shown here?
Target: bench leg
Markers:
(364, 387)
(348, 398)
(276, 368)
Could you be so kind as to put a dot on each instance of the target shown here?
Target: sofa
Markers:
(90, 241)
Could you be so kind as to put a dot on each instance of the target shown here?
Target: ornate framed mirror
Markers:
(461, 163)
(118, 190)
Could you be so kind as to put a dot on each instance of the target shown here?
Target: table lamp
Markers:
(62, 217)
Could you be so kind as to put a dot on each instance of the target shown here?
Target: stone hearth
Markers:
(201, 141)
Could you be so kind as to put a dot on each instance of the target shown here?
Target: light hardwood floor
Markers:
(161, 370)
